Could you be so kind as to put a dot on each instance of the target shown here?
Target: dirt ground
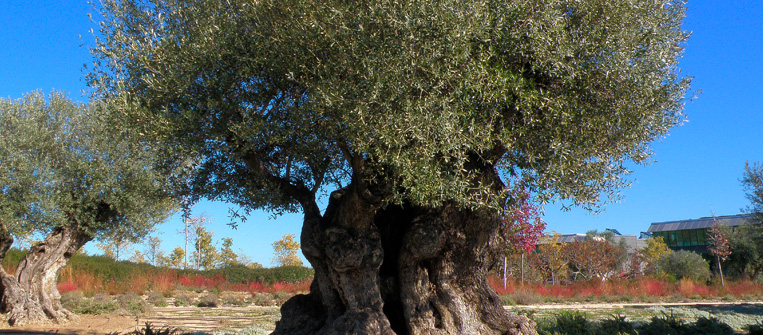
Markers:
(186, 319)
(85, 325)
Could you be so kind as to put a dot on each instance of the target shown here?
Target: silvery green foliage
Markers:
(253, 330)
(267, 103)
(736, 317)
(64, 163)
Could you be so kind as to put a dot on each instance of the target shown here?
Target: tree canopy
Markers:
(416, 113)
(63, 163)
(67, 175)
(271, 101)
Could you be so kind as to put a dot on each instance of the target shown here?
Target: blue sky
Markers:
(696, 170)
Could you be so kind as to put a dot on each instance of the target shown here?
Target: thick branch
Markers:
(299, 191)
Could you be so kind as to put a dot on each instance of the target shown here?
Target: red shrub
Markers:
(66, 287)
(163, 282)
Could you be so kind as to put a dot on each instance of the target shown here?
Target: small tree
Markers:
(654, 250)
(285, 251)
(153, 250)
(138, 257)
(685, 264)
(718, 245)
(226, 255)
(205, 255)
(115, 248)
(176, 258)
(593, 258)
(522, 228)
(549, 258)
(190, 228)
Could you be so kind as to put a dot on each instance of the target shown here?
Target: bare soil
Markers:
(186, 319)
(85, 325)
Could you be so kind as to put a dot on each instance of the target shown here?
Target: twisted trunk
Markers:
(30, 295)
(398, 270)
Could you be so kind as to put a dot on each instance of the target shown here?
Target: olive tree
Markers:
(411, 115)
(69, 177)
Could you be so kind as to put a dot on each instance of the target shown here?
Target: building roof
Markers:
(569, 238)
(632, 242)
(701, 223)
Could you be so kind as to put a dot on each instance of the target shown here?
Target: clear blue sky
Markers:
(696, 170)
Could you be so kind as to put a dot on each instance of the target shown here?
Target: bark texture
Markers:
(30, 296)
(398, 270)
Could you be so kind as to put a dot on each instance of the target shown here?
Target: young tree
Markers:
(191, 226)
(654, 250)
(285, 251)
(593, 258)
(205, 255)
(416, 114)
(685, 264)
(549, 258)
(522, 228)
(226, 255)
(138, 257)
(70, 174)
(718, 245)
(115, 248)
(153, 250)
(176, 259)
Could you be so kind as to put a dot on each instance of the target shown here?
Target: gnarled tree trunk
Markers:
(30, 296)
(398, 270)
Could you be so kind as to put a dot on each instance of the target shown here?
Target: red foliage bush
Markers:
(66, 287)
(641, 288)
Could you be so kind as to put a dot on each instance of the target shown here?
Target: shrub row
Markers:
(646, 289)
(239, 274)
(96, 274)
(575, 323)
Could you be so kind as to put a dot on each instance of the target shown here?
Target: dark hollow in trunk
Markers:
(30, 296)
(398, 270)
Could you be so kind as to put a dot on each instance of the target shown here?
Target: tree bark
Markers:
(30, 296)
(398, 270)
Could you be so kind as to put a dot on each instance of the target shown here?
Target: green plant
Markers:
(99, 304)
(183, 299)
(150, 330)
(262, 299)
(208, 300)
(756, 329)
(132, 303)
(667, 324)
(157, 299)
(281, 297)
(572, 323)
(615, 324)
(525, 297)
(685, 264)
(709, 326)
(73, 300)
(233, 299)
